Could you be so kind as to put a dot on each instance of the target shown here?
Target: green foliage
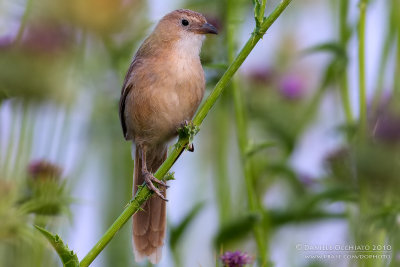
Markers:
(169, 176)
(255, 148)
(177, 232)
(188, 131)
(47, 197)
(67, 256)
(236, 229)
(259, 9)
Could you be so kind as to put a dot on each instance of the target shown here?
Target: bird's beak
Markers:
(207, 28)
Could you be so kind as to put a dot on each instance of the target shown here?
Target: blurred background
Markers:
(281, 162)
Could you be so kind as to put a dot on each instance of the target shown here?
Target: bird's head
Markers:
(184, 29)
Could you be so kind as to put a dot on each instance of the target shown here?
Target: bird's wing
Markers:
(126, 88)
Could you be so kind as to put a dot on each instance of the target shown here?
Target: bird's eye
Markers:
(185, 22)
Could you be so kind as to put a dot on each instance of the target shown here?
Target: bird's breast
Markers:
(171, 95)
(185, 89)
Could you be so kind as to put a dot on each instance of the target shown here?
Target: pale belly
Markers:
(158, 113)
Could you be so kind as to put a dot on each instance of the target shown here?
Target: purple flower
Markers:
(5, 42)
(43, 170)
(384, 122)
(387, 128)
(261, 75)
(47, 37)
(291, 87)
(235, 259)
(306, 179)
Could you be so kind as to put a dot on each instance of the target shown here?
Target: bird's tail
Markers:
(149, 224)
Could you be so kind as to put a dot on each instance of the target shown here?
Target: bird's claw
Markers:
(149, 179)
(184, 123)
(190, 147)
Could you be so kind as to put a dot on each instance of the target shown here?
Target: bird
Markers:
(162, 90)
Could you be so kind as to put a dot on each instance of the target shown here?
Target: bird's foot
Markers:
(184, 124)
(150, 179)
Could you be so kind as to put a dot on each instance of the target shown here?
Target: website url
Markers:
(340, 256)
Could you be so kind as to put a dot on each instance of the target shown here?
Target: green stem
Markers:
(144, 193)
(361, 66)
(223, 190)
(8, 164)
(387, 47)
(254, 205)
(344, 37)
(397, 70)
(242, 135)
(262, 9)
(141, 196)
(24, 20)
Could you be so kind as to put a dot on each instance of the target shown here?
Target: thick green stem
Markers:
(141, 196)
(361, 66)
(144, 193)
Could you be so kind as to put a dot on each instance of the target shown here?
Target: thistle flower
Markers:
(386, 127)
(235, 259)
(43, 170)
(5, 42)
(47, 37)
(261, 75)
(291, 87)
(45, 192)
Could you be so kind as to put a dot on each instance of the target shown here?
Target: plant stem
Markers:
(344, 37)
(242, 136)
(262, 9)
(397, 69)
(252, 198)
(387, 46)
(361, 66)
(144, 193)
(24, 20)
(221, 142)
(141, 196)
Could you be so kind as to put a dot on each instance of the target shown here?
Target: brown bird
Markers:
(162, 89)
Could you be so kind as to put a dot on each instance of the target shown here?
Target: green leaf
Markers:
(338, 64)
(333, 47)
(278, 218)
(253, 149)
(236, 229)
(67, 256)
(177, 232)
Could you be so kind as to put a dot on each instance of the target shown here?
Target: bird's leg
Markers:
(149, 178)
